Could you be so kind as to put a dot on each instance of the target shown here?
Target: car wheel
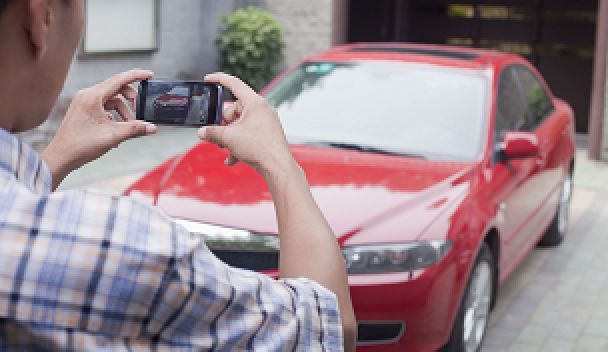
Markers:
(559, 226)
(471, 323)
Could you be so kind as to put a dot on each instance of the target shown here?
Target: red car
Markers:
(438, 168)
(173, 105)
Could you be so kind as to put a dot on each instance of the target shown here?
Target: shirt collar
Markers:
(19, 161)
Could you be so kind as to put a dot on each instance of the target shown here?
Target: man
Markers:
(81, 270)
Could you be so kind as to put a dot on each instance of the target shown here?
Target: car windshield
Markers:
(396, 108)
(181, 91)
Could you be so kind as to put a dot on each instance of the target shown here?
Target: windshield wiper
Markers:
(362, 148)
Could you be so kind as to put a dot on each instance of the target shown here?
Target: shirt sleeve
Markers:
(85, 261)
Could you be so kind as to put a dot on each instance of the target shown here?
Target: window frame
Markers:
(536, 124)
(86, 52)
(507, 70)
(522, 96)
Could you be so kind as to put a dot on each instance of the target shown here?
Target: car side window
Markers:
(539, 102)
(511, 112)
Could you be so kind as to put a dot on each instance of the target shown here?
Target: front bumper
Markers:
(424, 301)
(406, 311)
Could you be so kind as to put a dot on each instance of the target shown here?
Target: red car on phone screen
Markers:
(438, 168)
(173, 105)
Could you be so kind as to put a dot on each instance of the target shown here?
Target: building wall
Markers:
(307, 25)
(604, 140)
(186, 50)
(187, 30)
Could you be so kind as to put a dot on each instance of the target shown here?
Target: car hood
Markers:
(355, 190)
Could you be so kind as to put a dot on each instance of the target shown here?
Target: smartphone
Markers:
(180, 103)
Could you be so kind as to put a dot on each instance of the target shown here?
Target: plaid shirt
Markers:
(81, 270)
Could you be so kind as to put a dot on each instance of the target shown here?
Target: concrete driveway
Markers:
(557, 300)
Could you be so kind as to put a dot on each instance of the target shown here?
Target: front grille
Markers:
(252, 260)
(377, 333)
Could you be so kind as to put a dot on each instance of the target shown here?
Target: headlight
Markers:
(367, 259)
(219, 237)
(388, 258)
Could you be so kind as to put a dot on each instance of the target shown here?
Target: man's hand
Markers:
(252, 132)
(88, 130)
(255, 135)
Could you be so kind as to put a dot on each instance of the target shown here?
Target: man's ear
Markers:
(38, 22)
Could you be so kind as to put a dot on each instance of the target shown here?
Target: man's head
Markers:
(38, 39)
(3, 4)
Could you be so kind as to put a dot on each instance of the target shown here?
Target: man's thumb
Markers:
(132, 129)
(211, 134)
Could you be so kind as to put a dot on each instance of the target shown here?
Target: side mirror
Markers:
(518, 145)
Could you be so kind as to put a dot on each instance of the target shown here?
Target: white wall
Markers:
(186, 50)
(187, 30)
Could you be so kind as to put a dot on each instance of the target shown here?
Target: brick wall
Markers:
(186, 50)
(306, 24)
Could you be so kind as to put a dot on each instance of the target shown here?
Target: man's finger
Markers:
(227, 104)
(227, 111)
(130, 94)
(212, 134)
(112, 86)
(131, 129)
(230, 114)
(240, 90)
(119, 105)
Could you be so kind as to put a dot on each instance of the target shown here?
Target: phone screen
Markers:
(183, 103)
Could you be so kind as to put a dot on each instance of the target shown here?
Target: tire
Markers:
(471, 322)
(559, 226)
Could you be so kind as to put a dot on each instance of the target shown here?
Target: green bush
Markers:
(250, 46)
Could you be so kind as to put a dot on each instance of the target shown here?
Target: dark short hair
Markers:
(4, 4)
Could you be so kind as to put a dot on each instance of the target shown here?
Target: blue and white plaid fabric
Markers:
(82, 270)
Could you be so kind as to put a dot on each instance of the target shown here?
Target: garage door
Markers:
(557, 36)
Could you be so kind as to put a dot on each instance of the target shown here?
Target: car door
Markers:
(548, 128)
(513, 194)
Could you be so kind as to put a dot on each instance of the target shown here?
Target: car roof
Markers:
(441, 55)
